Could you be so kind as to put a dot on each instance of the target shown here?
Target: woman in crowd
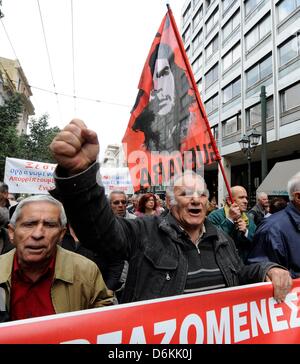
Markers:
(148, 205)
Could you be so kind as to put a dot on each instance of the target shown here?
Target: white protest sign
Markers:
(23, 176)
(116, 179)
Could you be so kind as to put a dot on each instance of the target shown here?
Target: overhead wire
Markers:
(8, 38)
(49, 61)
(55, 92)
(82, 97)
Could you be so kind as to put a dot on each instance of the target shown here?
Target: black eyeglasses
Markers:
(117, 202)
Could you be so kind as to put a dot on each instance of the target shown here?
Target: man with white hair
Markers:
(39, 277)
(118, 203)
(259, 211)
(168, 255)
(277, 239)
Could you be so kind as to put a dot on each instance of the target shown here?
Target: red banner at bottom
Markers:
(246, 314)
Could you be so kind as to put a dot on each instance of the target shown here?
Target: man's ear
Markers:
(11, 232)
(62, 234)
(297, 198)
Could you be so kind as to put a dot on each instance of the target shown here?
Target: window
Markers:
(259, 71)
(212, 104)
(286, 7)
(232, 90)
(186, 35)
(199, 85)
(197, 41)
(208, 3)
(197, 18)
(226, 4)
(212, 47)
(231, 125)
(195, 3)
(196, 65)
(211, 76)
(250, 5)
(289, 98)
(258, 32)
(231, 57)
(186, 14)
(215, 131)
(231, 25)
(253, 114)
(188, 52)
(212, 21)
(289, 50)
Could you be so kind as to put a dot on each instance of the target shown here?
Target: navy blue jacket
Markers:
(277, 239)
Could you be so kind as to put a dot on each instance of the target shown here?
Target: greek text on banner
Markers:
(246, 314)
(23, 176)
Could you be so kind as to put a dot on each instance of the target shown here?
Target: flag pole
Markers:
(190, 72)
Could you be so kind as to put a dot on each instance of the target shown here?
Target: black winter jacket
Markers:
(153, 245)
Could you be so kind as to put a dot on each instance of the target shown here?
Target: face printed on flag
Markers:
(163, 92)
(166, 133)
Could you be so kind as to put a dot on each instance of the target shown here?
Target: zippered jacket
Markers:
(154, 246)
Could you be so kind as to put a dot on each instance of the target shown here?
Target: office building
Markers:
(235, 47)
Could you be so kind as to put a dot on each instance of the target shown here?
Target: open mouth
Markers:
(194, 211)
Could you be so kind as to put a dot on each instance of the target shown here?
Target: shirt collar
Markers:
(48, 270)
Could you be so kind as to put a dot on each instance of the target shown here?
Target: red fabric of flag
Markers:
(167, 132)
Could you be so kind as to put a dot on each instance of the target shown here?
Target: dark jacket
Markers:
(7, 245)
(257, 214)
(153, 245)
(111, 270)
(244, 244)
(277, 239)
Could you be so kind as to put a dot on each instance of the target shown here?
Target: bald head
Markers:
(240, 196)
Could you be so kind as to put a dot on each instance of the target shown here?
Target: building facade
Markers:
(113, 157)
(12, 80)
(235, 47)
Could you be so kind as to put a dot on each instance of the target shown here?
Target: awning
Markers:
(276, 181)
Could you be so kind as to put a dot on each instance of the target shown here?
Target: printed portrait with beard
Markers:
(165, 119)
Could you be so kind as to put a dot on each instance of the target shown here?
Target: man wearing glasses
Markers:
(118, 203)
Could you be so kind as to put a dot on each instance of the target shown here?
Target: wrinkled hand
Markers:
(282, 282)
(76, 147)
(234, 212)
(241, 225)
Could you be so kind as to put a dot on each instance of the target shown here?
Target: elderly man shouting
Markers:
(168, 255)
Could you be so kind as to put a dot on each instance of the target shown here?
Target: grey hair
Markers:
(293, 185)
(114, 192)
(174, 183)
(37, 198)
(259, 195)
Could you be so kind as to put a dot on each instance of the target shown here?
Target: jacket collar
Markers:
(64, 269)
(294, 215)
(6, 264)
(170, 225)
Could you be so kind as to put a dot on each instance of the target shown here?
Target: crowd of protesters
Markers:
(80, 249)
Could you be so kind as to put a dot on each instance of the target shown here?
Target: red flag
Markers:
(168, 131)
